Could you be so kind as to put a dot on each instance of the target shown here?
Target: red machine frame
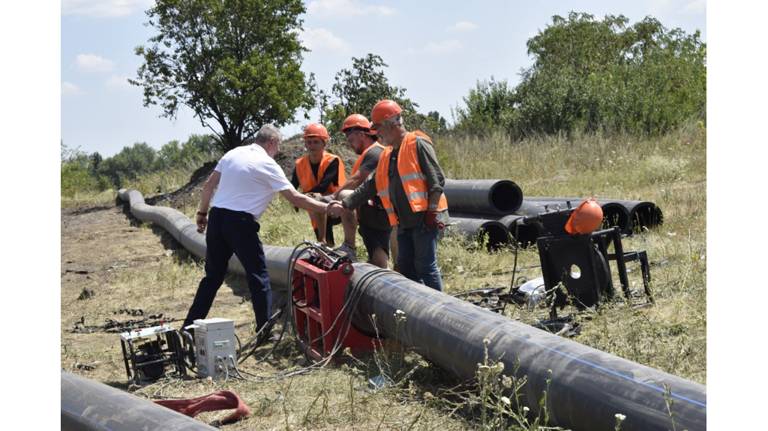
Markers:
(318, 298)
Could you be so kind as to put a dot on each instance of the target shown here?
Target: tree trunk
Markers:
(230, 140)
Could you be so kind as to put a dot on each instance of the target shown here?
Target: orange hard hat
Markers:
(384, 110)
(356, 120)
(587, 217)
(316, 130)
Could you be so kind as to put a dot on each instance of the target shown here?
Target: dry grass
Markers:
(147, 272)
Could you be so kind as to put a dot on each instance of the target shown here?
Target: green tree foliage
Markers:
(591, 75)
(356, 90)
(129, 163)
(488, 106)
(235, 63)
(81, 172)
(78, 172)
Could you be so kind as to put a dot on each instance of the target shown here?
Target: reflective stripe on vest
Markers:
(413, 179)
(359, 160)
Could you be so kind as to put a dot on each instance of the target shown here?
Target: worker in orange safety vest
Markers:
(409, 181)
(319, 173)
(371, 217)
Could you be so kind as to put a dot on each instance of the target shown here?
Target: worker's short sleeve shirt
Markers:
(249, 180)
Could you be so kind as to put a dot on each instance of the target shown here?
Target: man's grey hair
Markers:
(396, 120)
(267, 133)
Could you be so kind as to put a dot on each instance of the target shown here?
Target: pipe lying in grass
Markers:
(87, 405)
(494, 232)
(524, 234)
(496, 197)
(585, 387)
(614, 212)
(642, 214)
(185, 232)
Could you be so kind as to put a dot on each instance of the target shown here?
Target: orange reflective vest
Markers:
(413, 179)
(359, 160)
(307, 180)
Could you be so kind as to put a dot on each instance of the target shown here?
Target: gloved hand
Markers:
(430, 220)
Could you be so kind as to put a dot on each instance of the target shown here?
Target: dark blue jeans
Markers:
(417, 255)
(233, 232)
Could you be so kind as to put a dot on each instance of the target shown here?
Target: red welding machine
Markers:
(322, 306)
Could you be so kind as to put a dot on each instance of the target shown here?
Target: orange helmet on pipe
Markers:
(587, 217)
(384, 110)
(316, 130)
(356, 120)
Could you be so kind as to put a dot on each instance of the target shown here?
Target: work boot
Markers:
(348, 250)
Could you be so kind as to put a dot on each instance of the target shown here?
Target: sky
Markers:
(437, 50)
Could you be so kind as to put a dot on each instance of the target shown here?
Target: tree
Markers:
(593, 74)
(78, 171)
(489, 106)
(356, 91)
(129, 163)
(234, 63)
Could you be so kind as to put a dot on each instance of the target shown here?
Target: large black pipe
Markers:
(642, 214)
(588, 387)
(185, 232)
(524, 234)
(496, 197)
(614, 212)
(87, 405)
(495, 232)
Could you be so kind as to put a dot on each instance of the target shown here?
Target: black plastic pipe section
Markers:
(588, 387)
(497, 197)
(524, 234)
(185, 232)
(614, 213)
(87, 405)
(642, 214)
(475, 228)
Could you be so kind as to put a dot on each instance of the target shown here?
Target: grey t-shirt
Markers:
(371, 159)
(371, 214)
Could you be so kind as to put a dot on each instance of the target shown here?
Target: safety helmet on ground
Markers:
(356, 120)
(587, 217)
(384, 110)
(316, 130)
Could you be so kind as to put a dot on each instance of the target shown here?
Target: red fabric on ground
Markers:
(220, 400)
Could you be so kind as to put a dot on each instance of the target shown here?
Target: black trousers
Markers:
(233, 232)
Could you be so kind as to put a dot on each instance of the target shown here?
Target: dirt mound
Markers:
(293, 148)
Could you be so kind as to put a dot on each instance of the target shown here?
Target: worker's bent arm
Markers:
(210, 186)
(299, 200)
(353, 181)
(361, 194)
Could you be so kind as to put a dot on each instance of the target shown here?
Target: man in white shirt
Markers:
(245, 181)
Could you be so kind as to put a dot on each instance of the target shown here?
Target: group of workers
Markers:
(395, 184)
